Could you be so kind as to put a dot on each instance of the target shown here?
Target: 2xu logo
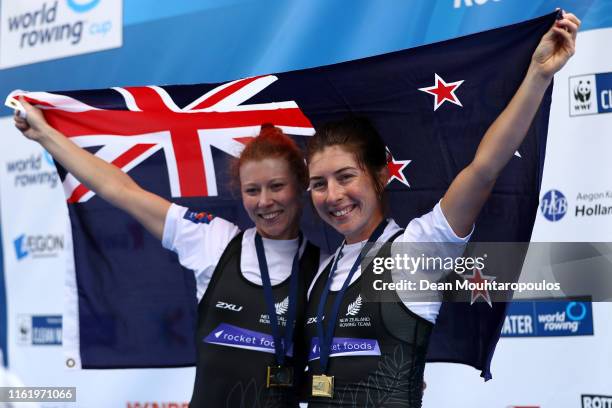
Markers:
(38, 246)
(228, 306)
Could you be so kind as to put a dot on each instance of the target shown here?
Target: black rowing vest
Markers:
(385, 345)
(233, 313)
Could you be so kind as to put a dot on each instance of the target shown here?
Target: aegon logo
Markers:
(38, 246)
(470, 3)
(228, 306)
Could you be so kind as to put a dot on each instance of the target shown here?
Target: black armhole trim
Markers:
(309, 263)
(321, 281)
(411, 313)
(232, 249)
(401, 304)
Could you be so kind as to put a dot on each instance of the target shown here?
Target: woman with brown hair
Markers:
(348, 173)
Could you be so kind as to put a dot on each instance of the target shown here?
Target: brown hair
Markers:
(355, 134)
(272, 143)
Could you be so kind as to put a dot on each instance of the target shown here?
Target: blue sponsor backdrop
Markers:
(47, 330)
(195, 41)
(3, 311)
(548, 318)
(603, 84)
(192, 41)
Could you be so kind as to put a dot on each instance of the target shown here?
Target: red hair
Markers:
(273, 143)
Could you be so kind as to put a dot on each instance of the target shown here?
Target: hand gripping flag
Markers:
(432, 104)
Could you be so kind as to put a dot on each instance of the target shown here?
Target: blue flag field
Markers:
(432, 105)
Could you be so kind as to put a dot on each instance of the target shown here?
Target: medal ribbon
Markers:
(280, 345)
(325, 341)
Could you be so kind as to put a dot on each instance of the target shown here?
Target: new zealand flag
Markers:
(133, 304)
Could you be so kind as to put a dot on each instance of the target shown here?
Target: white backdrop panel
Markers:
(32, 207)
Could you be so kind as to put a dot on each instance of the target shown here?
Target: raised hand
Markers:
(107, 180)
(556, 46)
(471, 188)
(33, 126)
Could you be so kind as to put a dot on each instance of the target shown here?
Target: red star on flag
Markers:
(396, 169)
(478, 278)
(443, 92)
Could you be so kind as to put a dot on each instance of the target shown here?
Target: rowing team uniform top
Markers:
(234, 337)
(378, 349)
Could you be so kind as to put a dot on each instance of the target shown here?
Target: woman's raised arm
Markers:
(471, 188)
(106, 180)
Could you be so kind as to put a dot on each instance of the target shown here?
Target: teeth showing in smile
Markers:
(270, 216)
(343, 211)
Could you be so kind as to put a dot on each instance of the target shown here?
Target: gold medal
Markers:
(279, 376)
(323, 386)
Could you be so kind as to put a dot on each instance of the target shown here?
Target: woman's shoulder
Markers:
(431, 227)
(186, 226)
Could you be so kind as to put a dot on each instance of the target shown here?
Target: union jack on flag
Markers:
(152, 121)
(176, 141)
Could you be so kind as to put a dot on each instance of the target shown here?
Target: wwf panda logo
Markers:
(582, 91)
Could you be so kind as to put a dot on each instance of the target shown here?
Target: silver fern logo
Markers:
(282, 306)
(354, 307)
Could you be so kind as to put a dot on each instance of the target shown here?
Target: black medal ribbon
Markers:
(326, 336)
(281, 345)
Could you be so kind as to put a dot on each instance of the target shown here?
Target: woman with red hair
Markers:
(251, 285)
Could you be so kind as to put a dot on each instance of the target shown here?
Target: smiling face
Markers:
(343, 193)
(272, 197)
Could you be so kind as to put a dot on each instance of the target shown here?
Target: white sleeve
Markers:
(198, 240)
(432, 227)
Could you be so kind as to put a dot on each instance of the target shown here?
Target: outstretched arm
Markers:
(471, 188)
(106, 180)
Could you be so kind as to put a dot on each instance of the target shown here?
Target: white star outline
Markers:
(404, 163)
(439, 80)
(486, 297)
(456, 101)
